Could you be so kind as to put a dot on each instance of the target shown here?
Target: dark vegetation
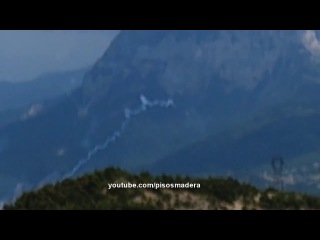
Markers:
(91, 192)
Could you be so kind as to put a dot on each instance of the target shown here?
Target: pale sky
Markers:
(26, 54)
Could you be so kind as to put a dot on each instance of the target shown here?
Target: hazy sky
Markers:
(26, 54)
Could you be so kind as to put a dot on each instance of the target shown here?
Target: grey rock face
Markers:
(187, 61)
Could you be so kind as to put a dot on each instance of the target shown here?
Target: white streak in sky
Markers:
(311, 42)
(128, 113)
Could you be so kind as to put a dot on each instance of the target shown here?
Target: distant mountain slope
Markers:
(92, 192)
(18, 94)
(243, 154)
(20, 100)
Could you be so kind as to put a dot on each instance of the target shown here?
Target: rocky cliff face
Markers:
(186, 62)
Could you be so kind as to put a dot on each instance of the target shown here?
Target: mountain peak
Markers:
(187, 61)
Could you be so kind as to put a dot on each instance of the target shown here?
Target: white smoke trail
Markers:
(19, 189)
(128, 113)
(311, 42)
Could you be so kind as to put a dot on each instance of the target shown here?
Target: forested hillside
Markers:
(92, 192)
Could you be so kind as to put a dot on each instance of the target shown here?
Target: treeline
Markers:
(91, 192)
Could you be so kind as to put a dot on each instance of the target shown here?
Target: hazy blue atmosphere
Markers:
(25, 55)
(239, 103)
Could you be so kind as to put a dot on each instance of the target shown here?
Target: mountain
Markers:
(50, 85)
(240, 97)
(188, 102)
(93, 191)
(248, 155)
(17, 98)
